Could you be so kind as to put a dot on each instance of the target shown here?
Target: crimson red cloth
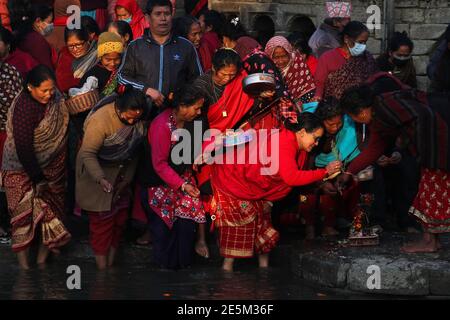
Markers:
(106, 232)
(247, 181)
(209, 44)
(138, 23)
(36, 45)
(329, 62)
(23, 62)
(312, 64)
(431, 205)
(64, 74)
(234, 101)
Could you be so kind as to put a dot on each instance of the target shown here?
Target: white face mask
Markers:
(358, 49)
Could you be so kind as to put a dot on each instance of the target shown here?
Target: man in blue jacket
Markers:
(159, 63)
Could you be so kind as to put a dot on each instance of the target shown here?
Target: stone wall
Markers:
(424, 20)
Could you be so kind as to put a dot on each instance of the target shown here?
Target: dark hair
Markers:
(447, 33)
(37, 75)
(304, 25)
(331, 21)
(90, 25)
(36, 11)
(214, 19)
(305, 120)
(81, 34)
(123, 28)
(357, 98)
(19, 12)
(187, 96)
(151, 4)
(400, 39)
(131, 99)
(354, 29)
(226, 57)
(299, 41)
(264, 28)
(8, 38)
(328, 108)
(233, 30)
(182, 25)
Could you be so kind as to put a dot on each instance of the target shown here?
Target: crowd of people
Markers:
(90, 120)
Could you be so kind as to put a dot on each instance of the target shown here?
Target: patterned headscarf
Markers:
(296, 74)
(339, 9)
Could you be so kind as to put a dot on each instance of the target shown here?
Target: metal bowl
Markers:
(256, 83)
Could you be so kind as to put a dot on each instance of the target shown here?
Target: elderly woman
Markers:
(173, 201)
(242, 191)
(254, 60)
(295, 71)
(346, 66)
(420, 126)
(106, 165)
(33, 166)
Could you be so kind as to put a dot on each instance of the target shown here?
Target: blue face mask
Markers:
(358, 49)
(128, 20)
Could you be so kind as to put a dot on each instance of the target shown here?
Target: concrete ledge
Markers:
(334, 266)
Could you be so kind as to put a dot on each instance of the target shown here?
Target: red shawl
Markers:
(246, 181)
(234, 101)
(138, 23)
(64, 73)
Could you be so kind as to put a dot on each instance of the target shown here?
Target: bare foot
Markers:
(202, 249)
(310, 233)
(263, 260)
(228, 264)
(329, 232)
(145, 239)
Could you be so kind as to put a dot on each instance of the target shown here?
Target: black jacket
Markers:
(143, 68)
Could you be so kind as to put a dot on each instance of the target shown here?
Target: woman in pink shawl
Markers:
(295, 71)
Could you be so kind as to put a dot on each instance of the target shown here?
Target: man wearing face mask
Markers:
(398, 59)
(347, 66)
(327, 36)
(31, 33)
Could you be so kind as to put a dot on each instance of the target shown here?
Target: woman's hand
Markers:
(106, 186)
(156, 96)
(396, 157)
(383, 161)
(333, 167)
(191, 190)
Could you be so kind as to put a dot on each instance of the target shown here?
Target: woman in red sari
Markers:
(243, 192)
(347, 66)
(129, 11)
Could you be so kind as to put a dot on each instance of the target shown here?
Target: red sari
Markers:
(242, 193)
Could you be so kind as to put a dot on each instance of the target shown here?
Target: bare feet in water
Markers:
(228, 264)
